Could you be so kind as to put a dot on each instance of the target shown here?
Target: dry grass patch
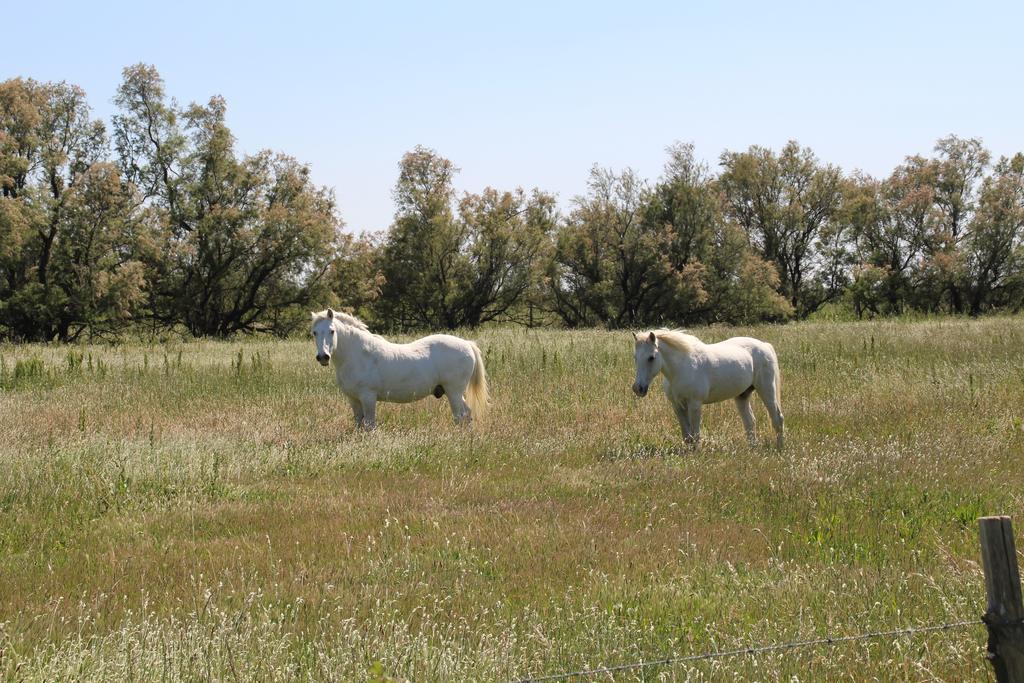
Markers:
(206, 510)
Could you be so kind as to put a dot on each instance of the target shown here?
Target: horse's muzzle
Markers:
(639, 390)
(323, 359)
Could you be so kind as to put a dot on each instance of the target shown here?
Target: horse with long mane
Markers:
(697, 373)
(369, 368)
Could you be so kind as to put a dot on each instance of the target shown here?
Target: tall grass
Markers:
(206, 510)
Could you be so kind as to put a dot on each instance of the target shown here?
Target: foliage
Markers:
(940, 234)
(242, 243)
(179, 229)
(631, 255)
(785, 203)
(67, 220)
(994, 246)
(609, 264)
(163, 223)
(443, 268)
(355, 279)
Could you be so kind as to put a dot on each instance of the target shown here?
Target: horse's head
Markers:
(648, 361)
(324, 336)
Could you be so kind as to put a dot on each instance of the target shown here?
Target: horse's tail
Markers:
(477, 395)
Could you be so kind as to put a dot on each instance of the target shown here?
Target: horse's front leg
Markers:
(684, 420)
(693, 411)
(357, 410)
(369, 405)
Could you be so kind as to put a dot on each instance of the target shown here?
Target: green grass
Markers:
(205, 509)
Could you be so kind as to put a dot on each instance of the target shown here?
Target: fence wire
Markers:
(752, 650)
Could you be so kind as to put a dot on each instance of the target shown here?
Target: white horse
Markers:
(369, 368)
(697, 373)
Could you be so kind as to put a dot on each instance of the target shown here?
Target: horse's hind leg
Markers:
(460, 409)
(770, 396)
(746, 411)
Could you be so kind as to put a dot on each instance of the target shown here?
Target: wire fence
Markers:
(753, 650)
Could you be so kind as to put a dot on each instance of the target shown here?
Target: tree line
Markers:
(156, 221)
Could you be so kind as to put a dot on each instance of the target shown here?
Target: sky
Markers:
(533, 94)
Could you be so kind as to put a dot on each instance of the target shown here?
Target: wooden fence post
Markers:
(1004, 615)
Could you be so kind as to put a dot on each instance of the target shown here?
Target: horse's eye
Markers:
(651, 359)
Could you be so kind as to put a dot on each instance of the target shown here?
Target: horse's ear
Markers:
(652, 338)
(330, 313)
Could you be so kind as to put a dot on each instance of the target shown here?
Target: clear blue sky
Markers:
(533, 93)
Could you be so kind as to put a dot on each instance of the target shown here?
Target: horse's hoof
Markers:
(438, 391)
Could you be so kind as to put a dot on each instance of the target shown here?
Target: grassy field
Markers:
(196, 510)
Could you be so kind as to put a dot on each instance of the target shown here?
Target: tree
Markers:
(956, 181)
(994, 245)
(243, 244)
(422, 245)
(67, 262)
(95, 263)
(956, 176)
(633, 255)
(506, 234)
(783, 202)
(890, 223)
(610, 265)
(150, 145)
(446, 270)
(21, 110)
(722, 279)
(742, 287)
(355, 277)
(686, 203)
